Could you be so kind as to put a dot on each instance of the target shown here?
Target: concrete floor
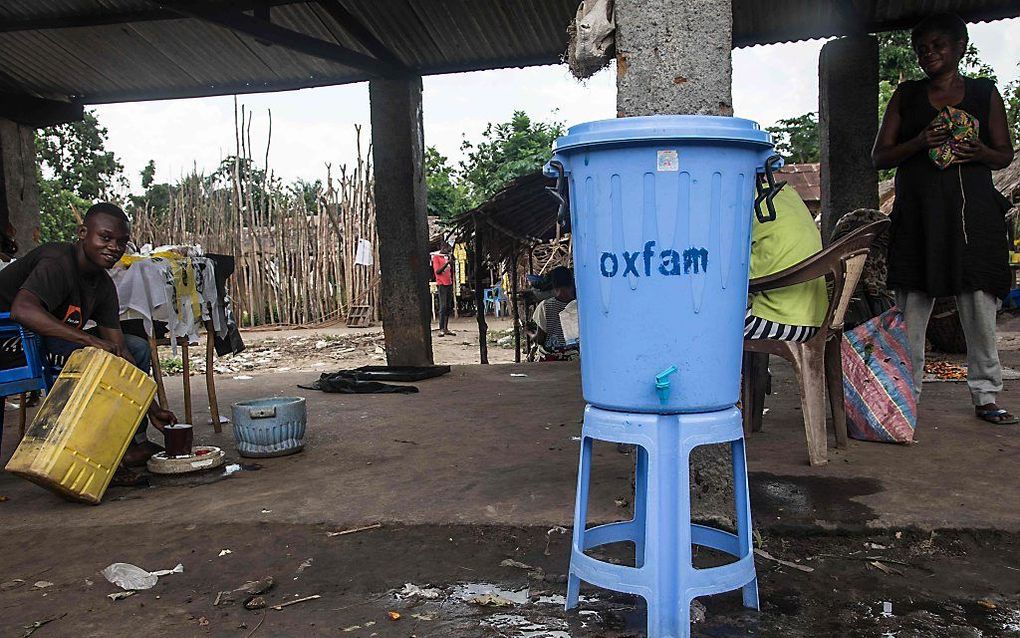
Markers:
(481, 447)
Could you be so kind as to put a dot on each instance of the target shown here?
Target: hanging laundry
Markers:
(363, 255)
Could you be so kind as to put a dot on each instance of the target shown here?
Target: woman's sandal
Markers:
(998, 416)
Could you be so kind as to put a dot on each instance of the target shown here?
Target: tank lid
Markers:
(664, 128)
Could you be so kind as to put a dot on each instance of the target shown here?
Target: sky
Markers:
(313, 127)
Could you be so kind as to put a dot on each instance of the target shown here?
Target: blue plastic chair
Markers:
(33, 375)
(661, 530)
(493, 299)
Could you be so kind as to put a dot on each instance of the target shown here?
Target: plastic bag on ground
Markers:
(132, 577)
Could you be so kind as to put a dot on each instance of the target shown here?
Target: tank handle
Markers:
(772, 164)
(554, 168)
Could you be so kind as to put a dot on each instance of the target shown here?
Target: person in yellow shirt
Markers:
(793, 313)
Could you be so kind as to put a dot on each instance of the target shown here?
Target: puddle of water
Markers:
(560, 601)
(426, 593)
(1010, 620)
(525, 628)
(944, 618)
(467, 591)
(811, 498)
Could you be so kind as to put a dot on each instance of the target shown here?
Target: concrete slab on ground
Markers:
(479, 446)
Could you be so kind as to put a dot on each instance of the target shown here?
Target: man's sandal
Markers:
(998, 416)
(125, 477)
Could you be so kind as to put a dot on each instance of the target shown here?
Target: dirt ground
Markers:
(336, 347)
(952, 584)
(911, 542)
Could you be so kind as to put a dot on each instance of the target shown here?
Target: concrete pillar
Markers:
(847, 126)
(674, 56)
(398, 147)
(19, 190)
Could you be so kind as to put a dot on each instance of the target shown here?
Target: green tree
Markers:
(309, 193)
(75, 153)
(148, 174)
(507, 151)
(797, 138)
(57, 221)
(446, 196)
(256, 185)
(74, 169)
(156, 196)
(1011, 96)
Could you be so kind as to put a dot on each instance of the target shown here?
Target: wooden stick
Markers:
(294, 602)
(354, 530)
(513, 303)
(186, 365)
(22, 416)
(210, 375)
(483, 329)
(785, 563)
(157, 372)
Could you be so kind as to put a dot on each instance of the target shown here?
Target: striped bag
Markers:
(878, 386)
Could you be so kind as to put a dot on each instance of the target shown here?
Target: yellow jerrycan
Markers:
(84, 425)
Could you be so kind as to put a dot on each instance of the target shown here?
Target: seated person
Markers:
(793, 313)
(58, 287)
(545, 329)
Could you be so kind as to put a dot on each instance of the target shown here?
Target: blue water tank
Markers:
(661, 211)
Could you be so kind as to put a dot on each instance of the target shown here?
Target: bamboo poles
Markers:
(295, 246)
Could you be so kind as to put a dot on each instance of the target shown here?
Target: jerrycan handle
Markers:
(772, 164)
(554, 168)
(662, 384)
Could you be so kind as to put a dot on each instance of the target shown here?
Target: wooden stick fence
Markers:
(295, 264)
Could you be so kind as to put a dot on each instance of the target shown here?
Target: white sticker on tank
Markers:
(667, 162)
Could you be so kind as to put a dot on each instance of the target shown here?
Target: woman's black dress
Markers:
(948, 233)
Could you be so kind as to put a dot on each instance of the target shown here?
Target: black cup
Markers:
(178, 439)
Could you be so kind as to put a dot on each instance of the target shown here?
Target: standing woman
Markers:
(948, 234)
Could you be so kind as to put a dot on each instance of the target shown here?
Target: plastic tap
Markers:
(662, 384)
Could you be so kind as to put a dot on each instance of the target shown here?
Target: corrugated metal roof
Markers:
(146, 55)
(757, 22)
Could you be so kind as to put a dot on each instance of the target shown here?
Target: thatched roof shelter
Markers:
(520, 215)
(517, 218)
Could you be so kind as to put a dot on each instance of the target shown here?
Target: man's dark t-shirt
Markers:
(51, 273)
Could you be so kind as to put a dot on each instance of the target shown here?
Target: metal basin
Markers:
(269, 427)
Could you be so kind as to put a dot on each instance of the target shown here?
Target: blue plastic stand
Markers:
(23, 378)
(661, 529)
(660, 214)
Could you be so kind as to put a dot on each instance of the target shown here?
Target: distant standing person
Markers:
(948, 234)
(442, 266)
